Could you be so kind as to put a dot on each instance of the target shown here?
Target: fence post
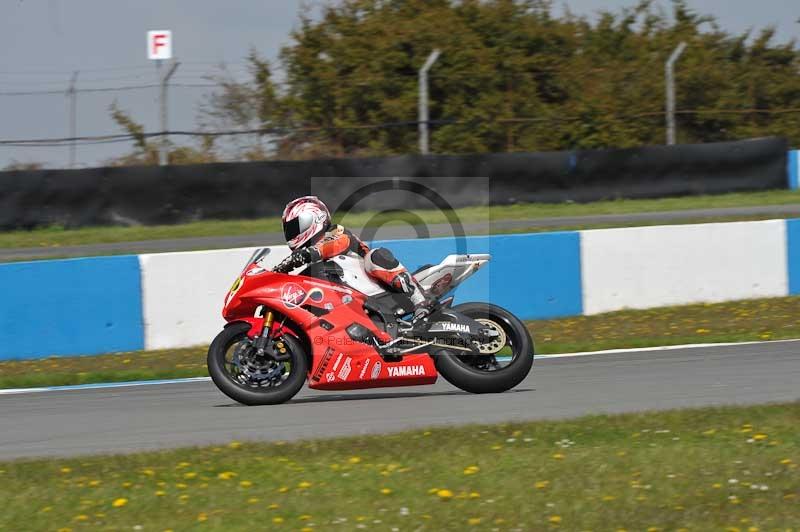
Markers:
(73, 117)
(669, 68)
(423, 101)
(164, 144)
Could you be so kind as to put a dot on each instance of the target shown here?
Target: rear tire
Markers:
(249, 395)
(458, 372)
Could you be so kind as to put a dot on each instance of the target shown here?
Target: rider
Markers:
(312, 238)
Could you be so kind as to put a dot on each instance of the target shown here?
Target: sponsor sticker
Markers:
(406, 371)
(345, 371)
(376, 370)
(338, 360)
(330, 376)
(326, 358)
(316, 295)
(442, 283)
(292, 295)
(458, 327)
(364, 369)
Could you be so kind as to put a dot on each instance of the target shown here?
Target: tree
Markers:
(146, 152)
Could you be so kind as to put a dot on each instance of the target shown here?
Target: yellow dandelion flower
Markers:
(386, 491)
(471, 470)
(181, 485)
(474, 521)
(499, 521)
(66, 470)
(716, 485)
(64, 530)
(709, 432)
(160, 493)
(81, 517)
(234, 445)
(46, 509)
(445, 495)
(277, 520)
(304, 517)
(202, 516)
(119, 503)
(148, 472)
(304, 484)
(246, 484)
(558, 456)
(184, 497)
(252, 500)
(283, 489)
(542, 484)
(181, 465)
(432, 491)
(786, 461)
(273, 506)
(496, 447)
(94, 483)
(226, 475)
(653, 529)
(306, 529)
(759, 437)
(555, 519)
(127, 484)
(474, 495)
(190, 475)
(360, 518)
(354, 459)
(608, 498)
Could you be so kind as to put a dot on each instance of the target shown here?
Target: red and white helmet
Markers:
(303, 220)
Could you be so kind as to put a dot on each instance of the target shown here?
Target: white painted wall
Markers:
(644, 267)
(183, 293)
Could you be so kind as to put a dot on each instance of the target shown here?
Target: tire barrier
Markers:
(176, 194)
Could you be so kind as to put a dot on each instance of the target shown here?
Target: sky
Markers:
(42, 42)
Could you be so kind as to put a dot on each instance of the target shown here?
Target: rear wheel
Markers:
(496, 365)
(252, 380)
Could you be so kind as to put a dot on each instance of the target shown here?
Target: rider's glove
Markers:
(295, 260)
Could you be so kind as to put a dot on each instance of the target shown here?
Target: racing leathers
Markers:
(379, 263)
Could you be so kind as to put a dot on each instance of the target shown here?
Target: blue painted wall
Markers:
(532, 275)
(793, 255)
(67, 307)
(794, 169)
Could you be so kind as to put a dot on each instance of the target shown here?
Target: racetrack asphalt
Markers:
(120, 420)
(397, 232)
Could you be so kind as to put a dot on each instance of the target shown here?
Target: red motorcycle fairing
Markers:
(323, 310)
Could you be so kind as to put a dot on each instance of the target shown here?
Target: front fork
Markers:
(262, 344)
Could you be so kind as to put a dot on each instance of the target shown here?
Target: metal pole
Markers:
(670, 77)
(162, 152)
(73, 117)
(423, 101)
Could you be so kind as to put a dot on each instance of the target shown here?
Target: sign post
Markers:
(159, 49)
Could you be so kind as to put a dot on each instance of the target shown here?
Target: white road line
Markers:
(660, 348)
(77, 387)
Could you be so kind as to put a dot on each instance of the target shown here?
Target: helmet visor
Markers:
(294, 227)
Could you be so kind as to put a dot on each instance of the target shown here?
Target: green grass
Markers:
(733, 468)
(739, 321)
(56, 236)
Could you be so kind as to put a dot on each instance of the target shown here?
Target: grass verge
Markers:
(739, 321)
(57, 236)
(733, 468)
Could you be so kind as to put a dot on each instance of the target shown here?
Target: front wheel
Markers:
(495, 366)
(252, 380)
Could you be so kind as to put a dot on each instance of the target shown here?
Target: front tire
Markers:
(472, 373)
(294, 370)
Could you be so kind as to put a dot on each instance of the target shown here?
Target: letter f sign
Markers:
(159, 44)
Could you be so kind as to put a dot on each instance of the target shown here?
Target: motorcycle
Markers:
(333, 325)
